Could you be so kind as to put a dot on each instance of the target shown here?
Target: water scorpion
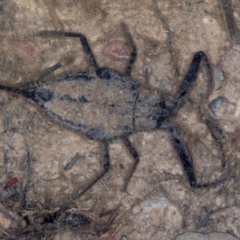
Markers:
(108, 105)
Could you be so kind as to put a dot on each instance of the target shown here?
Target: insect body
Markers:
(109, 105)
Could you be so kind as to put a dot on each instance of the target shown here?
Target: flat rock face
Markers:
(210, 236)
(44, 164)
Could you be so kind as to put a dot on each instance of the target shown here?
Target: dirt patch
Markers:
(44, 165)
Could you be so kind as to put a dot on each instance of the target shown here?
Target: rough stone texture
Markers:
(158, 203)
(210, 236)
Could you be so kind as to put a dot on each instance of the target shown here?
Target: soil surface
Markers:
(44, 164)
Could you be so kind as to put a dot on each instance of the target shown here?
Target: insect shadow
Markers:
(108, 105)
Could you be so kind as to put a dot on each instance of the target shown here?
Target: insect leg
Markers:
(36, 82)
(133, 55)
(135, 156)
(40, 79)
(169, 35)
(183, 154)
(83, 41)
(186, 160)
(106, 166)
(25, 182)
(217, 134)
(191, 76)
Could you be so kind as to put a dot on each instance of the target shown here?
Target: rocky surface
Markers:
(158, 203)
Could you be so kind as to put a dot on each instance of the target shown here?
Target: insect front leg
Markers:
(186, 160)
(87, 49)
(191, 77)
(33, 83)
(133, 55)
(40, 79)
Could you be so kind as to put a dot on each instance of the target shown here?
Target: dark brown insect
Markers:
(91, 103)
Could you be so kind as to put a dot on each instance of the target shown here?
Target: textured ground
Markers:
(158, 203)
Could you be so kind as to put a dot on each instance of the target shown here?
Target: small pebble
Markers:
(221, 107)
(10, 183)
(5, 220)
(216, 104)
(217, 77)
(10, 219)
(118, 50)
(229, 63)
(25, 49)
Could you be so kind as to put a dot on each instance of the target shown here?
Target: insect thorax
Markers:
(147, 110)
